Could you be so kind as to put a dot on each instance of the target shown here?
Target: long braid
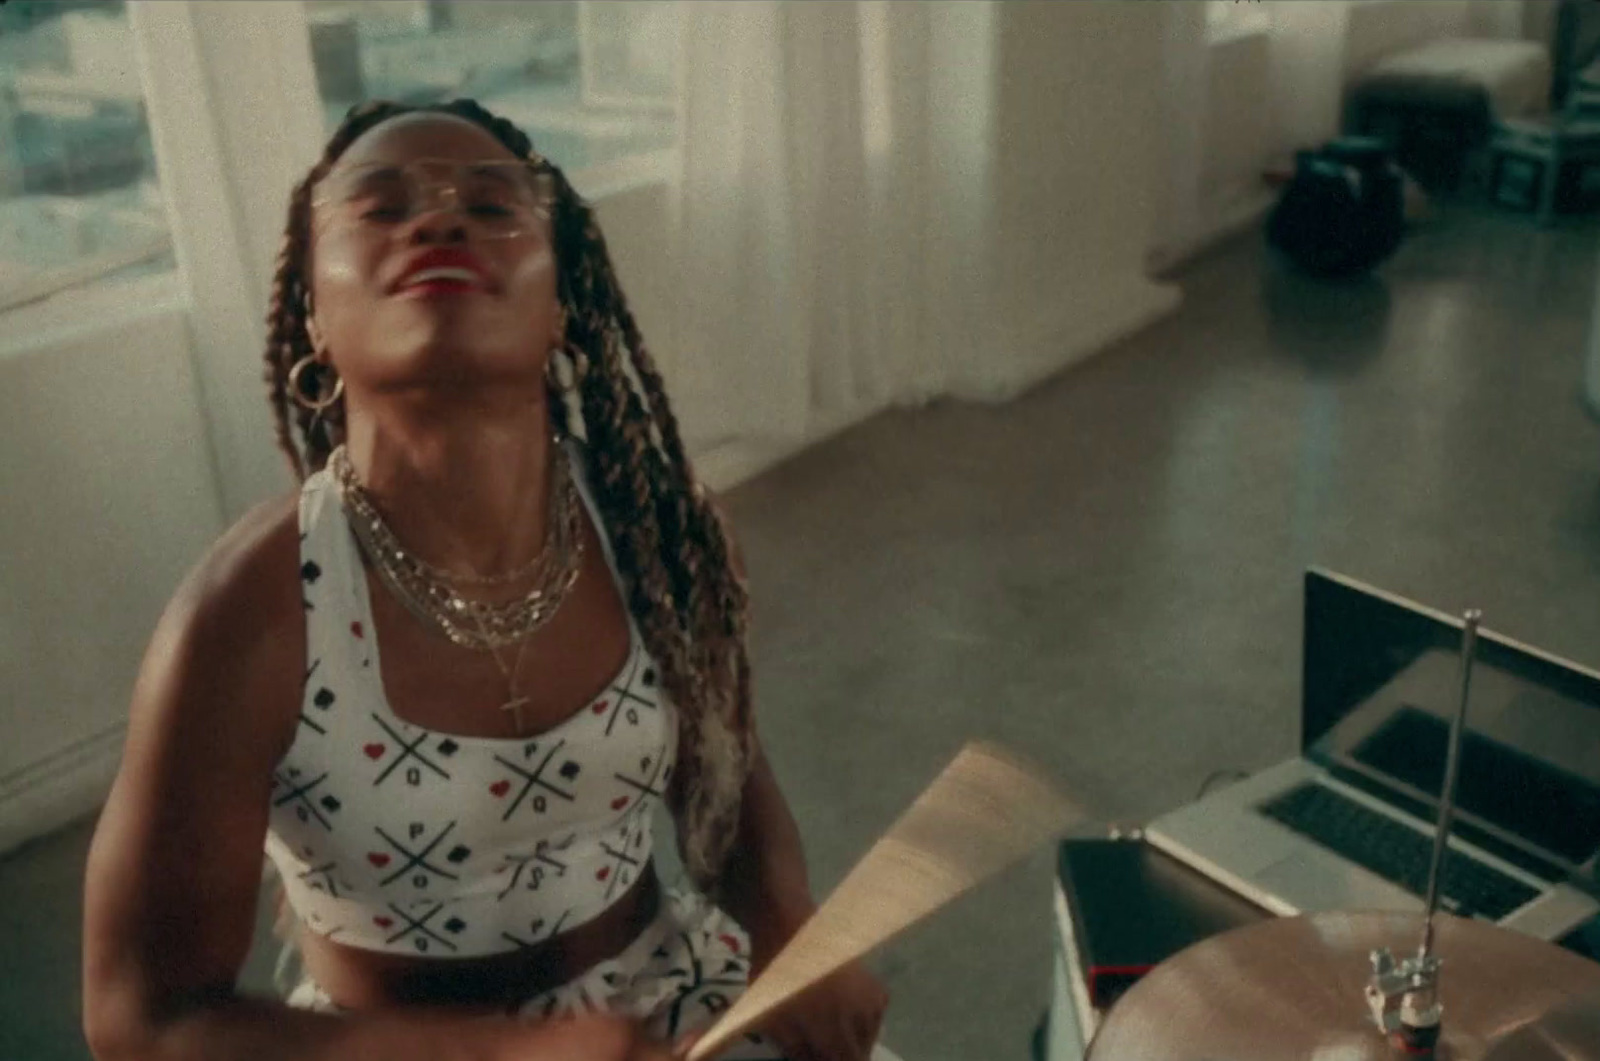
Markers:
(669, 540)
(710, 597)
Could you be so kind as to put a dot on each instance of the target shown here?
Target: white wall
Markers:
(1076, 186)
(1221, 122)
(110, 498)
(1511, 19)
(1377, 28)
(1238, 135)
(1307, 70)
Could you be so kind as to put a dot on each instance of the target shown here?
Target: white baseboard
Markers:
(58, 790)
(726, 466)
(1220, 224)
(1058, 342)
(1072, 334)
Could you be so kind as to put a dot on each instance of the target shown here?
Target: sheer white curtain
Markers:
(831, 216)
(741, 369)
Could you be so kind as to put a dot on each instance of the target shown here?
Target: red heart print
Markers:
(374, 751)
(600, 708)
(731, 941)
(500, 788)
(378, 858)
(383, 922)
(619, 803)
(605, 871)
(355, 628)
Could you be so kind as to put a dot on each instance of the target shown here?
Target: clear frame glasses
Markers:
(501, 198)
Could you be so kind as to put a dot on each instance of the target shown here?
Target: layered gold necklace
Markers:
(435, 596)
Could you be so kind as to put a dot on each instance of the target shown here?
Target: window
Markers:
(78, 194)
(1230, 18)
(591, 83)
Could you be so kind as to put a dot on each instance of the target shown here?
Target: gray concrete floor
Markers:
(1105, 574)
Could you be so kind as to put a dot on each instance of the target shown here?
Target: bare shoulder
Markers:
(237, 619)
(248, 582)
(253, 556)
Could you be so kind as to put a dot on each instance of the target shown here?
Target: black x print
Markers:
(624, 692)
(322, 700)
(417, 859)
(555, 930)
(407, 751)
(619, 860)
(648, 787)
(541, 854)
(419, 925)
(533, 779)
(699, 980)
(321, 879)
(307, 719)
(299, 794)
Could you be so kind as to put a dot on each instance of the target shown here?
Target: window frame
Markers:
(42, 284)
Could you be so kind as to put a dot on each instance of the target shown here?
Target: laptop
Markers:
(1348, 824)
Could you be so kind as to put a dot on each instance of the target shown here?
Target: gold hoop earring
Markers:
(577, 368)
(579, 360)
(318, 405)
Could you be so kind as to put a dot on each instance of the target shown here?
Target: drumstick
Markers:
(983, 813)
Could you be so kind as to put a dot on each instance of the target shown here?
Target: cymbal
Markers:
(1569, 1032)
(1291, 988)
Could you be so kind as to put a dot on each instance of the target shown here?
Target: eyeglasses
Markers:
(503, 198)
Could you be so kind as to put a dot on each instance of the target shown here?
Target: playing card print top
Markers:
(396, 838)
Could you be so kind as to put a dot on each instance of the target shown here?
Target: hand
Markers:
(591, 1037)
(641, 1047)
(838, 1019)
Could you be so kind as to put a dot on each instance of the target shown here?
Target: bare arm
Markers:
(765, 886)
(175, 864)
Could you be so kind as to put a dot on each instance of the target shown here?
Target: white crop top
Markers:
(391, 837)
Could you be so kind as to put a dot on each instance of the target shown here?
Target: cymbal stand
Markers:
(1404, 996)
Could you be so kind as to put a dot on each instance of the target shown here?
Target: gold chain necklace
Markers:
(470, 623)
(470, 578)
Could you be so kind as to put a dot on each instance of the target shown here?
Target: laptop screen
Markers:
(1382, 681)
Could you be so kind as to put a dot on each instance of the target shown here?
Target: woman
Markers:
(462, 821)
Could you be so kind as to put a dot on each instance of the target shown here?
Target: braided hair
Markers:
(670, 543)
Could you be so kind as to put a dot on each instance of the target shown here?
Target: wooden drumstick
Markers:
(983, 813)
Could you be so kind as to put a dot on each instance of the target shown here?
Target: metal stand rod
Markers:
(1404, 996)
(1452, 767)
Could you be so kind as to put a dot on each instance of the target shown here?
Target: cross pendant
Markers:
(515, 706)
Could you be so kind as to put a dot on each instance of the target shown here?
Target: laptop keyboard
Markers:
(1395, 852)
